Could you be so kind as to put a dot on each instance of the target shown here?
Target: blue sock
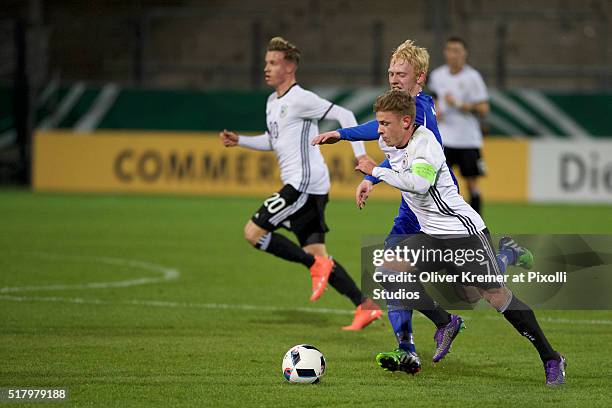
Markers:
(505, 257)
(401, 321)
(502, 261)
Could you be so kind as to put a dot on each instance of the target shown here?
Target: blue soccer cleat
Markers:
(445, 335)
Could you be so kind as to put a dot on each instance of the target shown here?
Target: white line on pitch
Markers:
(169, 304)
(167, 273)
(257, 308)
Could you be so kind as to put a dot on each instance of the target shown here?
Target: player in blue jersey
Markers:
(407, 71)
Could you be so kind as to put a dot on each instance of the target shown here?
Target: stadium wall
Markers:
(85, 107)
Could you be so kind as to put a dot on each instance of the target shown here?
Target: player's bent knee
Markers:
(498, 297)
(253, 232)
(469, 294)
(399, 266)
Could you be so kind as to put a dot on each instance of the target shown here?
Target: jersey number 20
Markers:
(274, 203)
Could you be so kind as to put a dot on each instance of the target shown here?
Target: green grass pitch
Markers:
(91, 301)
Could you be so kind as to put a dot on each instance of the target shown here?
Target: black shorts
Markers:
(484, 262)
(473, 254)
(301, 213)
(469, 161)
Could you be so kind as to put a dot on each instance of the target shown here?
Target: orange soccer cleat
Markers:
(320, 271)
(365, 314)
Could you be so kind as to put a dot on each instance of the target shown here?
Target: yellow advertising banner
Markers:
(197, 163)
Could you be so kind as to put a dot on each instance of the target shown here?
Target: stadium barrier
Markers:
(518, 170)
(571, 171)
(87, 107)
(197, 163)
(156, 162)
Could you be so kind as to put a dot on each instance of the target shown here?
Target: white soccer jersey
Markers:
(440, 210)
(458, 129)
(292, 121)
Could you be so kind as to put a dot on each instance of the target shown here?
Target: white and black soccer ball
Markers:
(303, 364)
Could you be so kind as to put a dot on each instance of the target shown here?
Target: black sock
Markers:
(430, 307)
(281, 246)
(475, 201)
(345, 285)
(437, 315)
(524, 321)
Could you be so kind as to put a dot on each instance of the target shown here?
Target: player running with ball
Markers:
(419, 170)
(408, 67)
(292, 116)
(407, 72)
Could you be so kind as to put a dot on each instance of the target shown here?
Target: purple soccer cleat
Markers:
(555, 371)
(445, 335)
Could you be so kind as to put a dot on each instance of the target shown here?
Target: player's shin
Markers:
(401, 321)
(522, 318)
(281, 246)
(432, 310)
(340, 280)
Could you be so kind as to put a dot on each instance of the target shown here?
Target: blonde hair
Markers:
(416, 56)
(291, 52)
(395, 100)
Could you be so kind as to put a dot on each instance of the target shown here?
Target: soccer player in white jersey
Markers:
(292, 116)
(407, 71)
(461, 100)
(419, 170)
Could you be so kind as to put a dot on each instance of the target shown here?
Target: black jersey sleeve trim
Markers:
(327, 111)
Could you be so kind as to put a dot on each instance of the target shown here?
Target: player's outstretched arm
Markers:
(364, 132)
(419, 180)
(405, 181)
(347, 120)
(231, 139)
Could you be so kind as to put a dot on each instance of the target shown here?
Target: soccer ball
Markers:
(303, 364)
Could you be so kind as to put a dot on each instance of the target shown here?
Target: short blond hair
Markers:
(290, 51)
(416, 56)
(395, 100)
